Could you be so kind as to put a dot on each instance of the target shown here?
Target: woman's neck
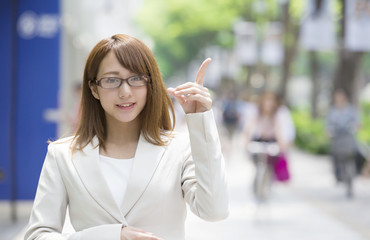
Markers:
(341, 105)
(122, 133)
(265, 114)
(122, 139)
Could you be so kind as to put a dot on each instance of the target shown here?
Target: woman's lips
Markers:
(126, 106)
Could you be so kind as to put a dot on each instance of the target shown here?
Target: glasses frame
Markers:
(147, 78)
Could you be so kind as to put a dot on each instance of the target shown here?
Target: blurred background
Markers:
(300, 50)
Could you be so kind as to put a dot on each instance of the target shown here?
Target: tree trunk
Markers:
(314, 65)
(346, 74)
(291, 35)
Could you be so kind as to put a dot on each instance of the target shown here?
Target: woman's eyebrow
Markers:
(110, 73)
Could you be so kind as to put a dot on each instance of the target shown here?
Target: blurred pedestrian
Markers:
(341, 125)
(230, 115)
(126, 174)
(266, 125)
(265, 128)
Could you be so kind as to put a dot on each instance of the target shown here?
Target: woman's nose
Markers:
(124, 90)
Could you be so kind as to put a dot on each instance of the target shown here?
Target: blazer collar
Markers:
(147, 159)
(86, 162)
(88, 168)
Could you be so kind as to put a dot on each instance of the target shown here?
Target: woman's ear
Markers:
(94, 90)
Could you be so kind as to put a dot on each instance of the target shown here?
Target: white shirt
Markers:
(117, 173)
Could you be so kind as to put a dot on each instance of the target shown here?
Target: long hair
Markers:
(135, 56)
(268, 96)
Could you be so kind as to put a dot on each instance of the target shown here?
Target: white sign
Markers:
(318, 28)
(357, 36)
(246, 47)
(272, 51)
(31, 25)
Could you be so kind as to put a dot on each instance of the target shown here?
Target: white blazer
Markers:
(163, 179)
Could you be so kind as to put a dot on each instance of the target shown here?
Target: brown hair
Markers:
(268, 96)
(135, 56)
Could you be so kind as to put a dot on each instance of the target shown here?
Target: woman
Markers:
(265, 138)
(125, 174)
(341, 125)
(266, 126)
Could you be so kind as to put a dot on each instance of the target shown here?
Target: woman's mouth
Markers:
(126, 106)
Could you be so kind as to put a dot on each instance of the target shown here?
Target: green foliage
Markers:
(365, 65)
(297, 9)
(310, 134)
(181, 28)
(364, 133)
(327, 62)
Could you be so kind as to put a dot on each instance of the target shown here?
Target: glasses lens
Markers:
(137, 81)
(110, 82)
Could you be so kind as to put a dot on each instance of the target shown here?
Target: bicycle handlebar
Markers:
(270, 148)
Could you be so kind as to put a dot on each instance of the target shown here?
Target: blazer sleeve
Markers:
(203, 178)
(49, 209)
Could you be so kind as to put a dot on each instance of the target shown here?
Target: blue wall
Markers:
(5, 47)
(37, 81)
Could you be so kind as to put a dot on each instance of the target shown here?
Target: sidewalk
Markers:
(12, 230)
(310, 207)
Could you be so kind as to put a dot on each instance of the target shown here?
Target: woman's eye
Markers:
(111, 80)
(135, 79)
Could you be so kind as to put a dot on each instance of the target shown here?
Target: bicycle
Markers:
(263, 154)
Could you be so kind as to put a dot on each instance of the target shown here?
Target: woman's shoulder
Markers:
(64, 143)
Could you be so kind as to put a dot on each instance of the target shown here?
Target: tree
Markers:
(181, 28)
(291, 13)
(348, 64)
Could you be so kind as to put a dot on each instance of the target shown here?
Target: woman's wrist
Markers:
(122, 229)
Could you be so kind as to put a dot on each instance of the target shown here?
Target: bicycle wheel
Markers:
(262, 180)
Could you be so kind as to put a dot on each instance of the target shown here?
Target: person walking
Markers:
(126, 174)
(341, 125)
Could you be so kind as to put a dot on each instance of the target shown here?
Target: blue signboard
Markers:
(5, 96)
(37, 80)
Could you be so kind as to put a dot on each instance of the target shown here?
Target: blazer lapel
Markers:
(147, 158)
(87, 165)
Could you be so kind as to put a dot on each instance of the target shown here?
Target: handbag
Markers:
(281, 170)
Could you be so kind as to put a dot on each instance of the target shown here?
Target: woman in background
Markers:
(341, 126)
(264, 137)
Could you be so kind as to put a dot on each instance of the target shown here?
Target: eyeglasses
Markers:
(115, 82)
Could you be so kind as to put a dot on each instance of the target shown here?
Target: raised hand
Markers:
(192, 96)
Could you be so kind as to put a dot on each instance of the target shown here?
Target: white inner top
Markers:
(117, 173)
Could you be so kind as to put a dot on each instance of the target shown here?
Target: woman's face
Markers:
(268, 105)
(122, 104)
(340, 98)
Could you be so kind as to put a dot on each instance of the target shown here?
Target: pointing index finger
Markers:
(202, 71)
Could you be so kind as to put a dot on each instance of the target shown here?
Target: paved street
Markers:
(310, 207)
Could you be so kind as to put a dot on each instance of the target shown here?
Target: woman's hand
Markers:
(193, 97)
(131, 233)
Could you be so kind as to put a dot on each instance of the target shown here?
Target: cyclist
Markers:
(265, 141)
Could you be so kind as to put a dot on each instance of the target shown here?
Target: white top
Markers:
(116, 173)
